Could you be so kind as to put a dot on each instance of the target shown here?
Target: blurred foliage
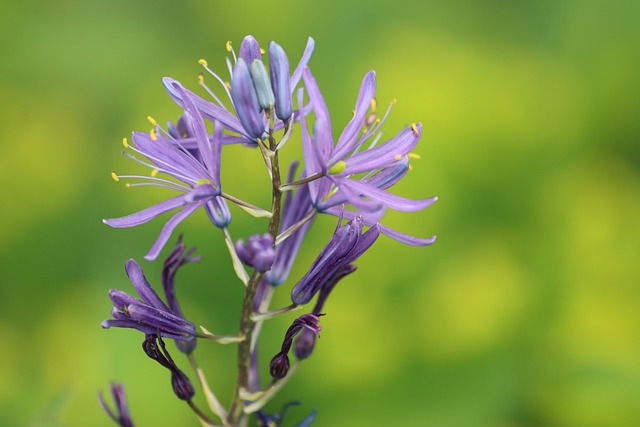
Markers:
(524, 313)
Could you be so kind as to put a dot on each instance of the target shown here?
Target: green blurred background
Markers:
(524, 313)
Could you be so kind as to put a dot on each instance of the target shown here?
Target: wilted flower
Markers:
(346, 245)
(180, 383)
(149, 314)
(353, 174)
(279, 365)
(121, 416)
(199, 174)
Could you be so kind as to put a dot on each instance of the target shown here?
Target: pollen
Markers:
(154, 173)
(397, 157)
(200, 78)
(415, 129)
(338, 168)
(152, 120)
(152, 134)
(124, 143)
(115, 177)
(228, 85)
(128, 185)
(414, 156)
(262, 51)
(228, 46)
(374, 105)
(410, 168)
(203, 181)
(203, 62)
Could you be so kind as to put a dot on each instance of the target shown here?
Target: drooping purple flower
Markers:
(279, 365)
(352, 173)
(149, 314)
(347, 244)
(178, 257)
(121, 415)
(297, 206)
(257, 252)
(243, 119)
(197, 169)
(180, 383)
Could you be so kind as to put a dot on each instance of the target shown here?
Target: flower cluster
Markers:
(259, 106)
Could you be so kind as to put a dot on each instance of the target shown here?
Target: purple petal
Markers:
(388, 199)
(168, 228)
(323, 135)
(405, 238)
(348, 138)
(121, 299)
(351, 195)
(311, 160)
(142, 286)
(384, 154)
(147, 214)
(169, 324)
(250, 49)
(280, 80)
(297, 73)
(245, 101)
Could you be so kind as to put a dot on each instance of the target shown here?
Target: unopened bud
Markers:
(262, 85)
(258, 252)
(279, 366)
(305, 342)
(245, 100)
(280, 80)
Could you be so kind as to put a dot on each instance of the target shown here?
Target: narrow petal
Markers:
(405, 238)
(280, 81)
(245, 100)
(147, 214)
(384, 154)
(388, 199)
(348, 138)
(306, 55)
(250, 49)
(311, 161)
(142, 286)
(323, 135)
(168, 228)
(352, 195)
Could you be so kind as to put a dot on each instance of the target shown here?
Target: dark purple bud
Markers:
(250, 49)
(262, 85)
(305, 322)
(258, 252)
(182, 387)
(304, 344)
(280, 80)
(121, 416)
(279, 366)
(245, 100)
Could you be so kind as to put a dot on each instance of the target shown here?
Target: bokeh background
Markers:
(525, 312)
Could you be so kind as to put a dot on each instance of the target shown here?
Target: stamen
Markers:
(152, 134)
(127, 185)
(262, 51)
(410, 168)
(414, 156)
(115, 177)
(415, 129)
(203, 181)
(155, 172)
(124, 143)
(200, 78)
(152, 120)
(228, 46)
(374, 105)
(397, 157)
(227, 85)
(203, 62)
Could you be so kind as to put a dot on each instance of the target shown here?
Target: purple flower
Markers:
(297, 205)
(353, 174)
(197, 169)
(248, 121)
(180, 383)
(279, 365)
(175, 260)
(121, 416)
(346, 245)
(276, 420)
(258, 252)
(149, 314)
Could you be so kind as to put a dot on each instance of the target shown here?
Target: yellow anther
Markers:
(374, 105)
(154, 173)
(415, 129)
(124, 143)
(200, 78)
(115, 177)
(397, 157)
(152, 134)
(203, 62)
(127, 185)
(393, 101)
(353, 113)
(378, 120)
(228, 85)
(410, 168)
(152, 120)
(414, 156)
(229, 48)
(338, 168)
(203, 181)
(262, 51)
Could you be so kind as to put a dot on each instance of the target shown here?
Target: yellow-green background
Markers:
(525, 313)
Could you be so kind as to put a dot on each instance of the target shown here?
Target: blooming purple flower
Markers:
(198, 169)
(257, 252)
(248, 121)
(352, 174)
(279, 365)
(346, 245)
(149, 314)
(276, 420)
(180, 383)
(121, 416)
